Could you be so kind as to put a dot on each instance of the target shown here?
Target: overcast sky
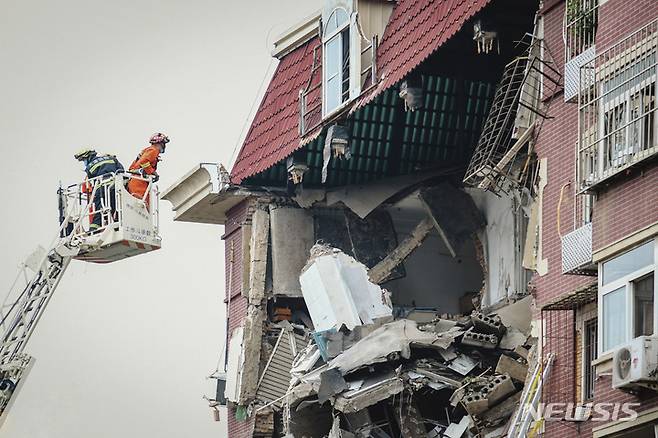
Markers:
(123, 349)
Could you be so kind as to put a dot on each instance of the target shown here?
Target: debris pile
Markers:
(363, 373)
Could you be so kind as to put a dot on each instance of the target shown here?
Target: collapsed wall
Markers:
(373, 321)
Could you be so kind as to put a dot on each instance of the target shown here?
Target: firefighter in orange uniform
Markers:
(146, 164)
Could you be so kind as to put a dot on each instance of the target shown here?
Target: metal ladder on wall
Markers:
(527, 421)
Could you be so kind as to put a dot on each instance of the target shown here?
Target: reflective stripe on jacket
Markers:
(102, 165)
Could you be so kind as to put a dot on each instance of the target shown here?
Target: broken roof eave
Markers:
(200, 196)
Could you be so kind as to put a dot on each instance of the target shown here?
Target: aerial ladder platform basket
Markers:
(100, 222)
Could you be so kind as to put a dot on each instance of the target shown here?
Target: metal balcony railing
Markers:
(618, 121)
(580, 23)
(579, 32)
(516, 111)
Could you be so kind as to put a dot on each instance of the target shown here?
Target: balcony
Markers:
(577, 252)
(618, 121)
(580, 24)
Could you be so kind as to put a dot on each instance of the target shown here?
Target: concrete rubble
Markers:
(369, 333)
(448, 376)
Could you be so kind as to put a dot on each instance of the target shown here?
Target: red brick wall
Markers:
(620, 18)
(557, 143)
(236, 217)
(630, 204)
(627, 205)
(233, 271)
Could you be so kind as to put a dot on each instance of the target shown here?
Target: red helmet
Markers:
(159, 137)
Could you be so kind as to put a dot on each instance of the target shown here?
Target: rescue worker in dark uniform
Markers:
(103, 166)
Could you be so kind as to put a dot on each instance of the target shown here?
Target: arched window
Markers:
(336, 60)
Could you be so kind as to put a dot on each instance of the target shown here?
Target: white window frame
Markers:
(628, 125)
(626, 282)
(326, 38)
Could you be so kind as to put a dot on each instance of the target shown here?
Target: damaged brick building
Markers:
(442, 219)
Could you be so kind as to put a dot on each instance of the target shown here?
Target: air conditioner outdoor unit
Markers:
(636, 364)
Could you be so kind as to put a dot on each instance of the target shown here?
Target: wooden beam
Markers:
(383, 269)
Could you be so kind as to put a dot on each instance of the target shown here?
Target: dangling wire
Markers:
(224, 350)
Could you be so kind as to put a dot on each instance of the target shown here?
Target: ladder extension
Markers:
(530, 401)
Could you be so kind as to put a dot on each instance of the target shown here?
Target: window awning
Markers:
(574, 299)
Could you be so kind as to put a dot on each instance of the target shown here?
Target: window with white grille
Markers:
(618, 122)
(580, 23)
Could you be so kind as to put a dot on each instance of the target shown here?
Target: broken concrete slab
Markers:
(363, 199)
(454, 214)
(448, 354)
(516, 370)
(306, 197)
(457, 430)
(331, 383)
(394, 337)
(439, 325)
(437, 372)
(292, 237)
(373, 390)
(517, 314)
(337, 292)
(512, 339)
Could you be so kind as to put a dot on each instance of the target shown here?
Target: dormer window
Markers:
(336, 60)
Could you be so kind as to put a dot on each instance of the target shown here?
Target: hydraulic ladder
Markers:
(128, 227)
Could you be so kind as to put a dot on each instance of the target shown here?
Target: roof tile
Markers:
(416, 29)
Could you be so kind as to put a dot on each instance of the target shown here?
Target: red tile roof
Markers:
(274, 132)
(416, 29)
